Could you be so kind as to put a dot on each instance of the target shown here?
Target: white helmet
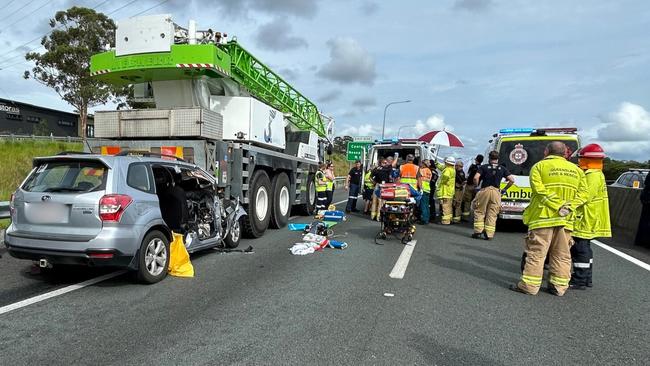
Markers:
(450, 160)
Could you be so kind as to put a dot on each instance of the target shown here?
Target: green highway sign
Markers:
(355, 149)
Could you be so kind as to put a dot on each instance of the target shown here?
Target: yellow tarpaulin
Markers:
(179, 258)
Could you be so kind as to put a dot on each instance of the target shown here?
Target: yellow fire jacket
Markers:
(592, 219)
(447, 185)
(554, 182)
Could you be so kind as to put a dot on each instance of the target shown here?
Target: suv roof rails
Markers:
(645, 170)
(148, 154)
(70, 152)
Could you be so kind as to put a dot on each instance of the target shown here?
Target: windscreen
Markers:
(401, 151)
(519, 156)
(67, 176)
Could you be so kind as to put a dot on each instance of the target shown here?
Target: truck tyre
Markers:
(281, 208)
(234, 236)
(153, 259)
(308, 208)
(259, 205)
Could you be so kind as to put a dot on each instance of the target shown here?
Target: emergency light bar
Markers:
(393, 140)
(505, 131)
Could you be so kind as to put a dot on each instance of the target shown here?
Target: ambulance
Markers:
(519, 149)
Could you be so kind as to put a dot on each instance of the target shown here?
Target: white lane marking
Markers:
(403, 260)
(630, 258)
(59, 292)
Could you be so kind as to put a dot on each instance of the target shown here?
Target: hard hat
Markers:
(450, 160)
(592, 151)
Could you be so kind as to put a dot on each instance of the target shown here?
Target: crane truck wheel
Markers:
(281, 208)
(308, 208)
(260, 202)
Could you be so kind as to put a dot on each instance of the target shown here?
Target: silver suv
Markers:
(120, 211)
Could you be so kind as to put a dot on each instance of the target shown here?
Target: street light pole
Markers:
(400, 129)
(383, 126)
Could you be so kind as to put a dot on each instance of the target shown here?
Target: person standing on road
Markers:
(459, 192)
(558, 188)
(488, 199)
(446, 188)
(368, 186)
(433, 210)
(643, 232)
(381, 175)
(353, 185)
(329, 175)
(592, 219)
(424, 182)
(470, 188)
(321, 188)
(408, 172)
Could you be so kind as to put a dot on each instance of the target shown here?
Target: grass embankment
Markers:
(16, 162)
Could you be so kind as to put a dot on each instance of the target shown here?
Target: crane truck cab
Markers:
(389, 147)
(519, 149)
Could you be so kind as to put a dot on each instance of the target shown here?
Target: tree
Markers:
(42, 128)
(77, 34)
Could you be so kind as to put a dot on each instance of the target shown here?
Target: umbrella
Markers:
(441, 138)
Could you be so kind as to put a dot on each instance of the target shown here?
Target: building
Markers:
(17, 118)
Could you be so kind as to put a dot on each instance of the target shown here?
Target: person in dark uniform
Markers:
(433, 211)
(643, 232)
(353, 186)
(488, 199)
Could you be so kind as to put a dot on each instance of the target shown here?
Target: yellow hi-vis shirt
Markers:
(367, 180)
(447, 181)
(592, 219)
(554, 182)
(321, 184)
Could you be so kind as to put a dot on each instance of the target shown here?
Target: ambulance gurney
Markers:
(397, 212)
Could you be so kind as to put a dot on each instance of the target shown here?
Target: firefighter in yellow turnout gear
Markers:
(488, 199)
(446, 188)
(558, 189)
(592, 219)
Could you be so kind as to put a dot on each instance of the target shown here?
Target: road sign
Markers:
(356, 148)
(362, 138)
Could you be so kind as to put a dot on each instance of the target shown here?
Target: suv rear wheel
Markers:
(154, 257)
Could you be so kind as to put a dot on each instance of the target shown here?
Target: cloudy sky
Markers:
(471, 66)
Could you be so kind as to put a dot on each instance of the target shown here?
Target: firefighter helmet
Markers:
(592, 151)
(450, 160)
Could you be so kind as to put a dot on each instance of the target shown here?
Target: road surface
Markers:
(451, 306)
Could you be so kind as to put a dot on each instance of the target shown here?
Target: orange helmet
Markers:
(592, 151)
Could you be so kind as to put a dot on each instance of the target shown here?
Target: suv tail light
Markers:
(112, 206)
(12, 205)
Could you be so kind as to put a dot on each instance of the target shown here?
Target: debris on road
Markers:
(179, 258)
(388, 294)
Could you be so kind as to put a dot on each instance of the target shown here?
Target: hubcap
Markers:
(284, 201)
(155, 257)
(261, 203)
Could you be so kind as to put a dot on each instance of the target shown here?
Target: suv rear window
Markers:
(519, 156)
(67, 176)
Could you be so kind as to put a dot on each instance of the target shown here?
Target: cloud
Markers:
(330, 96)
(349, 63)
(364, 102)
(369, 8)
(274, 36)
(434, 122)
(631, 122)
(288, 73)
(241, 8)
(475, 6)
(445, 87)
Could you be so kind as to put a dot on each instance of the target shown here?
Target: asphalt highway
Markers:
(452, 307)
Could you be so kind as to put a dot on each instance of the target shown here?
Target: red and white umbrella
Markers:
(441, 138)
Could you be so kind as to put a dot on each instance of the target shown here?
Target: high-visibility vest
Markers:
(330, 184)
(554, 182)
(367, 180)
(408, 174)
(592, 219)
(425, 174)
(447, 181)
(321, 186)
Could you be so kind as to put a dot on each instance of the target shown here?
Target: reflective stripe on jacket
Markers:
(592, 219)
(408, 174)
(447, 181)
(554, 182)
